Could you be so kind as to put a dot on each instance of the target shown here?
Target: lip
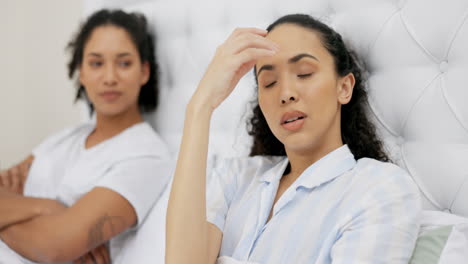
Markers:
(110, 96)
(291, 115)
(293, 125)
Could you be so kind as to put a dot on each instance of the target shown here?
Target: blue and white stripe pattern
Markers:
(338, 211)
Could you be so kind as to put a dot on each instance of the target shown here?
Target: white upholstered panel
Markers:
(415, 53)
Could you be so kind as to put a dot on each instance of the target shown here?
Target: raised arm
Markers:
(65, 236)
(189, 237)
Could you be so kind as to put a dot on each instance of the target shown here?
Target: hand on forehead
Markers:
(295, 43)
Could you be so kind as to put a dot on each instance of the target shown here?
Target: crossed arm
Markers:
(14, 178)
(14, 207)
(67, 235)
(43, 230)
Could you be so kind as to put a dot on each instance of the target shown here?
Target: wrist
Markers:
(199, 107)
(40, 208)
(47, 206)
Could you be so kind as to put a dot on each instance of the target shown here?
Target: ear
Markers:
(345, 88)
(145, 72)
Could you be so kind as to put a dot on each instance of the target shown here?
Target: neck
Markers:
(301, 159)
(109, 126)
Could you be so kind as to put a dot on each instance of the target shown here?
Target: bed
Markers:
(416, 61)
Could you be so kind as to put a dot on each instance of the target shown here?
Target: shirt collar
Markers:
(329, 167)
(324, 170)
(276, 172)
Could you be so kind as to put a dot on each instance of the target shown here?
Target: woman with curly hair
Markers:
(317, 187)
(88, 188)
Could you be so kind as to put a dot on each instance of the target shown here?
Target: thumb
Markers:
(242, 71)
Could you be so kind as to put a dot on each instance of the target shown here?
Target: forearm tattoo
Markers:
(104, 225)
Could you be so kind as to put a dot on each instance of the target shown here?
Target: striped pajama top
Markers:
(338, 211)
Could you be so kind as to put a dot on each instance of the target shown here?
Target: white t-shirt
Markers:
(135, 163)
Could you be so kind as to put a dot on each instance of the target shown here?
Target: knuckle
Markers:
(246, 40)
(237, 31)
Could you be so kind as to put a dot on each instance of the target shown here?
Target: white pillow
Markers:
(443, 239)
(229, 260)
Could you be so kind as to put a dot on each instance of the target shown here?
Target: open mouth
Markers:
(293, 119)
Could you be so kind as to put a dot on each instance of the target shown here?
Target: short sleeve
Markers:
(221, 188)
(384, 224)
(141, 181)
(53, 140)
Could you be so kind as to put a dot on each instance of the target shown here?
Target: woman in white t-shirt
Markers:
(89, 184)
(317, 189)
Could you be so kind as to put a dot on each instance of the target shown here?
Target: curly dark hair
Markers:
(136, 26)
(356, 129)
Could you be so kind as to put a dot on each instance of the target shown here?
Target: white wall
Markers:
(36, 97)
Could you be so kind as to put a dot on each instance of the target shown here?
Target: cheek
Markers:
(88, 83)
(132, 77)
(137, 93)
(321, 93)
(134, 90)
(265, 105)
(322, 105)
(268, 108)
(89, 78)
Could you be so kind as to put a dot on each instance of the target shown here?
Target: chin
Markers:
(299, 148)
(109, 111)
(299, 143)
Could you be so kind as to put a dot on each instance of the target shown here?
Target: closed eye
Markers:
(303, 76)
(270, 84)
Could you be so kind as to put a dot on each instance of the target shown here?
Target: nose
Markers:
(290, 99)
(110, 76)
(288, 92)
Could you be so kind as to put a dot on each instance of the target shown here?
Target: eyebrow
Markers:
(292, 60)
(300, 56)
(123, 54)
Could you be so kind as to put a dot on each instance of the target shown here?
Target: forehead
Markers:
(109, 38)
(293, 40)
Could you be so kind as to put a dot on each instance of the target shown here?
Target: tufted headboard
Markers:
(415, 53)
